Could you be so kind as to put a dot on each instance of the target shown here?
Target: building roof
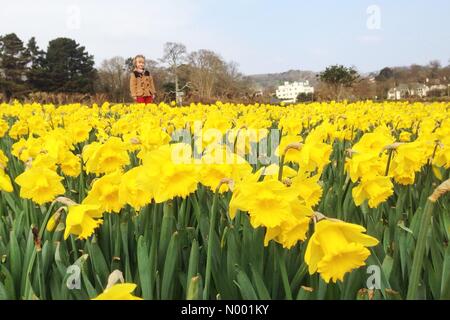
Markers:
(411, 86)
(418, 86)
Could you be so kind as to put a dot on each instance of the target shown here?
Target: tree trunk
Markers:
(8, 95)
(177, 87)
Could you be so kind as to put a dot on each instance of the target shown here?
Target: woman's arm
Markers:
(133, 86)
(152, 86)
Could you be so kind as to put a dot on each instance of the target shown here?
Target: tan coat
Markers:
(141, 84)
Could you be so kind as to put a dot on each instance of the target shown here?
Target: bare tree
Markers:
(435, 68)
(206, 67)
(233, 85)
(174, 56)
(113, 79)
(364, 89)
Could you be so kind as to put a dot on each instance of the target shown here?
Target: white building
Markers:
(290, 91)
(419, 90)
(438, 87)
(404, 91)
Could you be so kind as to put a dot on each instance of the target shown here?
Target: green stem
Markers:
(280, 169)
(153, 250)
(391, 151)
(284, 276)
(419, 251)
(40, 271)
(46, 218)
(430, 161)
(74, 248)
(212, 224)
(81, 185)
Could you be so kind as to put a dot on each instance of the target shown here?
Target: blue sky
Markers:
(260, 35)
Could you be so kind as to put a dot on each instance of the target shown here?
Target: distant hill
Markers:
(432, 73)
(275, 79)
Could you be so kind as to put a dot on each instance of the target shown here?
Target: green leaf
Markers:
(169, 267)
(8, 282)
(193, 263)
(144, 268)
(153, 259)
(420, 251)
(258, 281)
(29, 292)
(305, 293)
(92, 293)
(388, 262)
(401, 225)
(28, 260)
(245, 286)
(284, 276)
(99, 266)
(47, 254)
(194, 288)
(55, 285)
(12, 203)
(167, 229)
(232, 252)
(3, 292)
(445, 288)
(126, 255)
(15, 260)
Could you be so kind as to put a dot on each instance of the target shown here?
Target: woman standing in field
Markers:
(142, 87)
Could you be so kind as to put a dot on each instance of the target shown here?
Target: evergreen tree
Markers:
(338, 77)
(36, 74)
(68, 67)
(14, 61)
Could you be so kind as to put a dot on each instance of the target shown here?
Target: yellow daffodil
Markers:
(120, 291)
(136, 187)
(291, 155)
(70, 164)
(407, 160)
(3, 160)
(337, 248)
(363, 164)
(175, 174)
(376, 189)
(5, 182)
(4, 127)
(105, 193)
(40, 184)
(308, 188)
(82, 220)
(374, 141)
(271, 172)
(106, 157)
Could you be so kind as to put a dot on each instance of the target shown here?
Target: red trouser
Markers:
(145, 100)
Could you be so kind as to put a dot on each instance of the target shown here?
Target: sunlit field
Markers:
(225, 201)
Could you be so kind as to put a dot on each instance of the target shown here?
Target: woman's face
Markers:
(140, 63)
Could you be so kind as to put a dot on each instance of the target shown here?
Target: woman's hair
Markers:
(137, 57)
